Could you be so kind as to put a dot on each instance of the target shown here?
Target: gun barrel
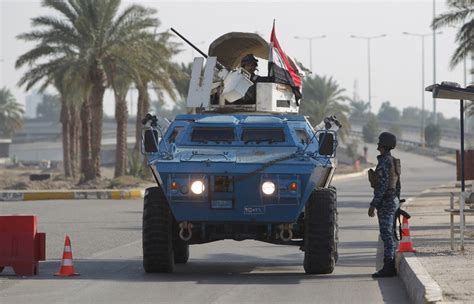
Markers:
(189, 42)
(195, 47)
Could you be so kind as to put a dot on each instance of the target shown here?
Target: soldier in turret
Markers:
(250, 64)
(386, 183)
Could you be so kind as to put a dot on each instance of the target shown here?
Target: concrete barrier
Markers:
(22, 247)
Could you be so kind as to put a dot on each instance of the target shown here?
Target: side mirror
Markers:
(150, 141)
(326, 143)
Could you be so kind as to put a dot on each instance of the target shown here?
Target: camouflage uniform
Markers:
(384, 202)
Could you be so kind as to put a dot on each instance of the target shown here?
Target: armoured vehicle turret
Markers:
(239, 170)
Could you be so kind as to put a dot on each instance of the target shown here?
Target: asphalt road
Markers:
(106, 243)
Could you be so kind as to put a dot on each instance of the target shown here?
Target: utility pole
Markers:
(1, 74)
(435, 116)
(368, 39)
(422, 126)
(310, 41)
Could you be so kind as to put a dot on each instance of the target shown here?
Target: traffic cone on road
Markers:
(67, 269)
(405, 243)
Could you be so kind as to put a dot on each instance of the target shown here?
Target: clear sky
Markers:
(395, 59)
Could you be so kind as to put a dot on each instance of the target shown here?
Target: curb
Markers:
(446, 161)
(351, 175)
(66, 195)
(420, 286)
(13, 195)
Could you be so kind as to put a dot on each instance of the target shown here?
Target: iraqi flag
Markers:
(281, 67)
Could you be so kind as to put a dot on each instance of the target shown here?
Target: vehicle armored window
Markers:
(174, 134)
(258, 135)
(214, 134)
(302, 136)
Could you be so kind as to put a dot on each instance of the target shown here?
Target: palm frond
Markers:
(452, 17)
(62, 7)
(10, 113)
(461, 52)
(322, 96)
(55, 24)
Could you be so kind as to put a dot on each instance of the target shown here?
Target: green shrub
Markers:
(352, 150)
(432, 135)
(370, 130)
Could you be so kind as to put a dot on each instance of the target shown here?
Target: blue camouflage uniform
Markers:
(384, 202)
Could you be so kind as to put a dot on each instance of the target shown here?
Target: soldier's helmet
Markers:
(387, 140)
(248, 59)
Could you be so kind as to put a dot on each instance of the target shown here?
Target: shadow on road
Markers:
(355, 244)
(352, 204)
(359, 227)
(214, 269)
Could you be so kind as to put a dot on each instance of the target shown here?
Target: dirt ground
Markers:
(451, 269)
(18, 178)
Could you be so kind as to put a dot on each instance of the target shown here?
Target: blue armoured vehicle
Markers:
(237, 170)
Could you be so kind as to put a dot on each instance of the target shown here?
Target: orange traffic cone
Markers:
(405, 243)
(67, 269)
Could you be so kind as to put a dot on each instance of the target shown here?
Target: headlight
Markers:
(197, 187)
(268, 188)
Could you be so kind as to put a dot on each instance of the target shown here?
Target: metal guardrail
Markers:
(446, 133)
(412, 145)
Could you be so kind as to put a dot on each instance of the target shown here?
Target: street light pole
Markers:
(369, 38)
(435, 116)
(422, 127)
(369, 75)
(310, 41)
(422, 131)
(464, 65)
(1, 74)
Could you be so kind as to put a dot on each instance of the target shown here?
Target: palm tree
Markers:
(71, 87)
(94, 35)
(181, 80)
(322, 96)
(461, 13)
(359, 109)
(160, 78)
(120, 85)
(65, 72)
(11, 113)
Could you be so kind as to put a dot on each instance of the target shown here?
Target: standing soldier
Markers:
(386, 183)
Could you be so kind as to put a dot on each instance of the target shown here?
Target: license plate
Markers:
(221, 204)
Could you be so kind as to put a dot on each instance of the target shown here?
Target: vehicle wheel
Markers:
(181, 251)
(320, 237)
(157, 232)
(336, 257)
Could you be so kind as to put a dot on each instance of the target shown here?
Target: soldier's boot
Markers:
(388, 269)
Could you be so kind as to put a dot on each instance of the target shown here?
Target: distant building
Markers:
(32, 101)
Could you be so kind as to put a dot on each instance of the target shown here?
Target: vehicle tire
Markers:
(181, 251)
(157, 233)
(320, 236)
(336, 257)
